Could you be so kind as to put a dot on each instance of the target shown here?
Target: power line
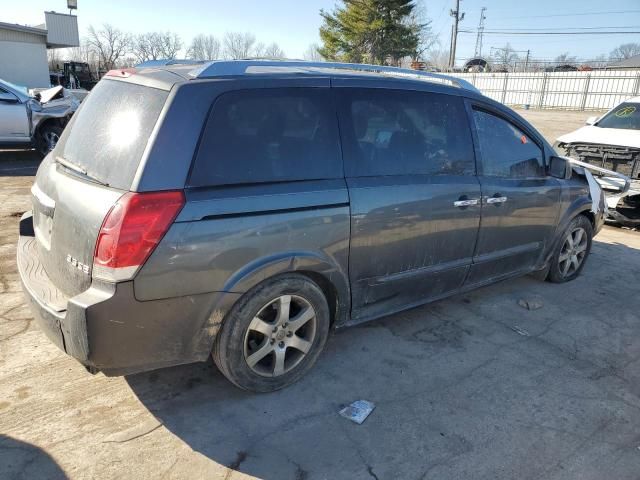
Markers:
(559, 28)
(571, 14)
(493, 32)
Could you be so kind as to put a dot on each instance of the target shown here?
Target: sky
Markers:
(294, 24)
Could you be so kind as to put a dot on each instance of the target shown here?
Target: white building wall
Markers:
(24, 63)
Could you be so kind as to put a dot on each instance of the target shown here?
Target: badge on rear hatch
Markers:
(79, 265)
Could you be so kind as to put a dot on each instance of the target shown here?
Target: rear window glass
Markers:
(269, 135)
(397, 132)
(625, 116)
(110, 130)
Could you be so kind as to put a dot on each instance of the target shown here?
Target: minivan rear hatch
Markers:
(93, 165)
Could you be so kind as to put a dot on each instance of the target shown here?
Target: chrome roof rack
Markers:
(226, 68)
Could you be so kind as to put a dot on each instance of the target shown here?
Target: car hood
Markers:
(605, 136)
(50, 94)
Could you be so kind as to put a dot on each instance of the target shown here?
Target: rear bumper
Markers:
(107, 329)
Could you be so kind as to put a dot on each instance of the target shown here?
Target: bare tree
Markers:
(273, 50)
(239, 45)
(565, 59)
(82, 53)
(155, 45)
(204, 47)
(600, 61)
(258, 50)
(110, 45)
(312, 54)
(421, 25)
(146, 46)
(505, 56)
(170, 44)
(624, 51)
(54, 58)
(438, 58)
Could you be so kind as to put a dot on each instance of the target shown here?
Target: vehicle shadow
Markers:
(432, 372)
(19, 163)
(23, 460)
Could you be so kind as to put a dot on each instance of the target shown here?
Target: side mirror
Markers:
(591, 120)
(7, 97)
(560, 167)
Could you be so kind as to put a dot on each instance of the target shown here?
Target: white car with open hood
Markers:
(612, 141)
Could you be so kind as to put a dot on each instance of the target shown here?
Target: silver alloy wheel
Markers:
(573, 252)
(50, 139)
(280, 336)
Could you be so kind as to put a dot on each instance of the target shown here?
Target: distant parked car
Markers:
(33, 121)
(612, 142)
(245, 208)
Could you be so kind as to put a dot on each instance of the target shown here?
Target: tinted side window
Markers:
(269, 135)
(396, 132)
(506, 150)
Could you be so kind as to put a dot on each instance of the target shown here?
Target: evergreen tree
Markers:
(369, 31)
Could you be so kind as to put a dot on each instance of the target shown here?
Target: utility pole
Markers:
(457, 18)
(526, 60)
(478, 52)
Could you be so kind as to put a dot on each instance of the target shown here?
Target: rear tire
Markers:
(572, 251)
(273, 335)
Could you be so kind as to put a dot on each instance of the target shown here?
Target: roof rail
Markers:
(225, 68)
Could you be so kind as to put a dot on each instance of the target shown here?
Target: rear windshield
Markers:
(109, 132)
(625, 116)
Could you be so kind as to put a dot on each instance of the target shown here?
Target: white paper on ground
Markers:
(358, 411)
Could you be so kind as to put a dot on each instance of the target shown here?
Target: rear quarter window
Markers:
(110, 131)
(268, 135)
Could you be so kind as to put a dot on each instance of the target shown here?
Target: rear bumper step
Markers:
(107, 329)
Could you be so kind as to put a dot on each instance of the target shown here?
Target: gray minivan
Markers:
(245, 208)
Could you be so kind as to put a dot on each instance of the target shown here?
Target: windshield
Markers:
(109, 132)
(625, 116)
(17, 88)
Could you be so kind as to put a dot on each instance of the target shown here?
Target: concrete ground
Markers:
(475, 386)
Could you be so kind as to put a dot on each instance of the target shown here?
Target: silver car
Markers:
(28, 121)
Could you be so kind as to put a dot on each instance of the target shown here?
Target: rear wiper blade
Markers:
(78, 169)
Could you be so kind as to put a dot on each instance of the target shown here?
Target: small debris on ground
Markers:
(520, 331)
(358, 411)
(533, 303)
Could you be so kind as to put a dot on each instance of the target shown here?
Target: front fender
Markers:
(579, 206)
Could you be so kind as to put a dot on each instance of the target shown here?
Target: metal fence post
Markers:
(636, 85)
(504, 87)
(585, 92)
(543, 90)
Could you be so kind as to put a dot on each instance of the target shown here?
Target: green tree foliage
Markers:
(372, 31)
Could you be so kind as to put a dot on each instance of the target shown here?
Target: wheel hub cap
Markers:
(573, 252)
(280, 336)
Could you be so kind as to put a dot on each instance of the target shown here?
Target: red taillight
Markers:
(131, 231)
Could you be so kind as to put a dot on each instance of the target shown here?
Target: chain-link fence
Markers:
(593, 90)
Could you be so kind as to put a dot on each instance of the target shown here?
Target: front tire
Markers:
(572, 251)
(273, 335)
(48, 138)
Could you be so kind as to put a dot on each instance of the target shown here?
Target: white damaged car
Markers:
(612, 141)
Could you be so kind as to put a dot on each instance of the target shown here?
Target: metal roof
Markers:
(227, 68)
(631, 62)
(23, 28)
